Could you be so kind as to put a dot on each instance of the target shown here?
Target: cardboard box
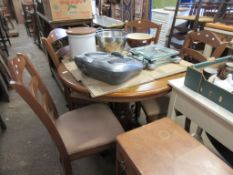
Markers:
(60, 10)
(196, 81)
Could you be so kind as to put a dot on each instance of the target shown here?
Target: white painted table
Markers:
(213, 118)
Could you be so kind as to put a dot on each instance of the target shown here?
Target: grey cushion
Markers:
(155, 107)
(88, 128)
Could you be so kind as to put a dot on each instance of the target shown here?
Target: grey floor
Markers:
(26, 147)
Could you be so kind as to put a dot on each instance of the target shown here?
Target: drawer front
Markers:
(159, 21)
(124, 164)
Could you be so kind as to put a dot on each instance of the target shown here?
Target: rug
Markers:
(127, 10)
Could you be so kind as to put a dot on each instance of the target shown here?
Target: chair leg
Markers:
(67, 167)
(10, 22)
(68, 99)
(26, 27)
(2, 124)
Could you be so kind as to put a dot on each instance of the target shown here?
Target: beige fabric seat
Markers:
(87, 128)
(155, 108)
(77, 133)
(143, 26)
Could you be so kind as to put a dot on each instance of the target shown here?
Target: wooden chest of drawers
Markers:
(164, 148)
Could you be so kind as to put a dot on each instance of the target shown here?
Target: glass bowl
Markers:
(111, 40)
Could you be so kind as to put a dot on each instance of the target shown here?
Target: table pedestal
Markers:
(127, 114)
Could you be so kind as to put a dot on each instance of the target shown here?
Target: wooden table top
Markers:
(220, 26)
(137, 93)
(203, 19)
(107, 22)
(163, 147)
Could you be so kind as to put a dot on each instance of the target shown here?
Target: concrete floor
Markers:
(26, 147)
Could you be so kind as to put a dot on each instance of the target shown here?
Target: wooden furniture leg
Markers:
(187, 124)
(198, 134)
(2, 124)
(173, 113)
(126, 114)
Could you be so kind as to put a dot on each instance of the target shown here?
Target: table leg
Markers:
(171, 108)
(187, 124)
(198, 134)
(173, 113)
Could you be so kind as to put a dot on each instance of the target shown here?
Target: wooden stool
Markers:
(164, 148)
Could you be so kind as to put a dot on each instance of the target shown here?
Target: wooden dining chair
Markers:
(201, 46)
(144, 26)
(28, 14)
(57, 45)
(156, 108)
(78, 133)
(58, 48)
(225, 13)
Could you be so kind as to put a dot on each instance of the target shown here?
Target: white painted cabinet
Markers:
(164, 18)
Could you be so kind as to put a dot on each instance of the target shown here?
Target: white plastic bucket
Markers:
(81, 43)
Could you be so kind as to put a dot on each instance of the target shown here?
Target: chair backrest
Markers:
(57, 45)
(210, 8)
(143, 26)
(4, 68)
(225, 13)
(36, 95)
(28, 10)
(204, 8)
(193, 8)
(205, 39)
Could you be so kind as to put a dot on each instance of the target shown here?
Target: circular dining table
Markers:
(137, 93)
(121, 100)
